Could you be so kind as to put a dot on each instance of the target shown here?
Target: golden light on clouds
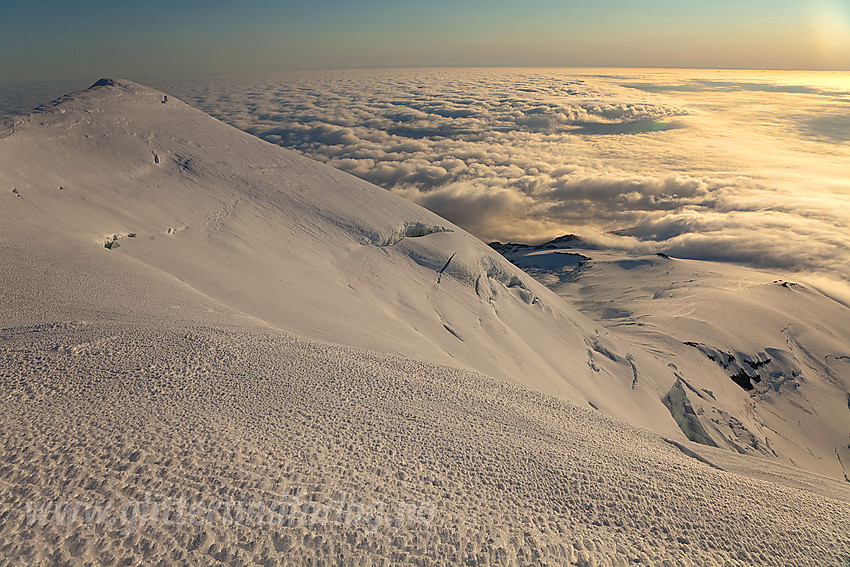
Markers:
(742, 166)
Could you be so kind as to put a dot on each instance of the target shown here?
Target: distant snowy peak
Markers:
(552, 259)
(565, 241)
(105, 82)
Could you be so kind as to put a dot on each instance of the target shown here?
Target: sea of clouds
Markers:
(740, 166)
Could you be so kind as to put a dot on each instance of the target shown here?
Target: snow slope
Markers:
(761, 364)
(190, 314)
(305, 249)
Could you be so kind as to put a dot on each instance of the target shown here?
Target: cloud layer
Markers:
(736, 166)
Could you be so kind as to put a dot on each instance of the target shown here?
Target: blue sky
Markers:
(52, 40)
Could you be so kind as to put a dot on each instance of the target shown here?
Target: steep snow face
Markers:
(157, 190)
(762, 364)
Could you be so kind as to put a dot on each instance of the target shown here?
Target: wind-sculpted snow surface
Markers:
(239, 446)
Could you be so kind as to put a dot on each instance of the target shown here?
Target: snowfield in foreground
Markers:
(217, 352)
(494, 473)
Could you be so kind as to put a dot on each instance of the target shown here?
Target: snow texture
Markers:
(246, 342)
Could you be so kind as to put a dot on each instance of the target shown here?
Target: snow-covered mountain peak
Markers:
(107, 82)
(161, 188)
(104, 93)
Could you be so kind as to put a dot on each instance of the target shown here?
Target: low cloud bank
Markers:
(726, 168)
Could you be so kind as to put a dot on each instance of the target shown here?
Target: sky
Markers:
(49, 40)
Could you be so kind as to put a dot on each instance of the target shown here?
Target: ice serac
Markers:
(152, 187)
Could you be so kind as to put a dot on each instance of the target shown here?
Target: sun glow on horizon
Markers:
(830, 25)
